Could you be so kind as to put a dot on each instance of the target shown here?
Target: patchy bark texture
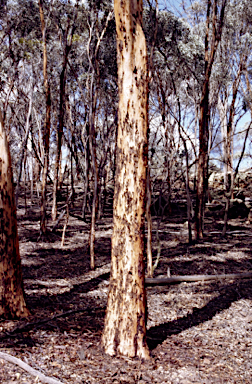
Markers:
(125, 322)
(12, 303)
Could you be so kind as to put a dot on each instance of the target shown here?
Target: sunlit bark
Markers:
(125, 322)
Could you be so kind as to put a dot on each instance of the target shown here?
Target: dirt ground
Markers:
(198, 332)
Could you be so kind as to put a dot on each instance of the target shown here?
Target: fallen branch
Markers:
(193, 278)
(51, 284)
(29, 369)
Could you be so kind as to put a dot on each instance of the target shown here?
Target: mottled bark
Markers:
(125, 323)
(12, 303)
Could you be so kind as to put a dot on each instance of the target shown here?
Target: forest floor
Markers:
(198, 332)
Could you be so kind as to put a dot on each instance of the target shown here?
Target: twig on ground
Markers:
(193, 278)
(29, 369)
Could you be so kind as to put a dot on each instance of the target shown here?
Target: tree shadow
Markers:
(64, 263)
(229, 294)
(64, 312)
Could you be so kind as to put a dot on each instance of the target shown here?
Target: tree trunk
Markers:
(149, 227)
(202, 174)
(94, 204)
(229, 186)
(125, 322)
(92, 106)
(59, 138)
(24, 146)
(86, 182)
(67, 43)
(46, 131)
(223, 108)
(12, 303)
(92, 110)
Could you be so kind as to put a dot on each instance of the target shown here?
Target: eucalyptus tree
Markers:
(47, 125)
(92, 52)
(12, 301)
(66, 27)
(125, 323)
(232, 59)
(20, 48)
(178, 62)
(215, 14)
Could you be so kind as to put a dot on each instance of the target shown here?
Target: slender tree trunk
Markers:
(149, 226)
(229, 186)
(67, 41)
(93, 98)
(195, 146)
(222, 108)
(32, 180)
(188, 197)
(46, 133)
(12, 302)
(86, 182)
(59, 139)
(125, 322)
(92, 109)
(24, 147)
(72, 180)
(202, 173)
(94, 204)
(24, 181)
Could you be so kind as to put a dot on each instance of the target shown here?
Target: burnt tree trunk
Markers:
(125, 322)
(12, 302)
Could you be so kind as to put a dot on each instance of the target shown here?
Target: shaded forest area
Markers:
(97, 148)
(198, 332)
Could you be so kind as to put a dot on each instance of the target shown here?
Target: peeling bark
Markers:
(125, 322)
